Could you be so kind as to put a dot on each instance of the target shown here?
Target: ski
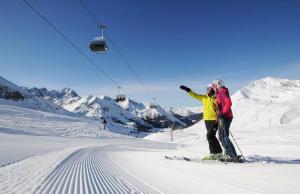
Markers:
(200, 160)
(178, 158)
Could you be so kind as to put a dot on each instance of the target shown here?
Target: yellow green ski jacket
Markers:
(209, 112)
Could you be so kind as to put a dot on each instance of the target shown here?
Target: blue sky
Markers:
(167, 42)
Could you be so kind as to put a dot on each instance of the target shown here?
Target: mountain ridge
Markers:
(134, 116)
(267, 102)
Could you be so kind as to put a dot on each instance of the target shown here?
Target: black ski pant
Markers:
(224, 124)
(214, 145)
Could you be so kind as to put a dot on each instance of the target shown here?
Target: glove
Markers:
(185, 88)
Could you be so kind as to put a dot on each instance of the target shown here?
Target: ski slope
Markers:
(89, 170)
(44, 152)
(129, 165)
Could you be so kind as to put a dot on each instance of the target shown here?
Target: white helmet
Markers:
(209, 86)
(218, 83)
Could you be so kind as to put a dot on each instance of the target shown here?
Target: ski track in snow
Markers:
(23, 176)
(89, 170)
(21, 156)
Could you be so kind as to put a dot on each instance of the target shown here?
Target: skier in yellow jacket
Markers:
(210, 118)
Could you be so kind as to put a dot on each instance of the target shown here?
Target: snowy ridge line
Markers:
(89, 170)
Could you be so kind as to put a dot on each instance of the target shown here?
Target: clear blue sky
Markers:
(168, 43)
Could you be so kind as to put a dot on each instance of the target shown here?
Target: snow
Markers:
(17, 120)
(148, 110)
(269, 102)
(51, 152)
(135, 117)
(31, 101)
(29, 172)
(186, 111)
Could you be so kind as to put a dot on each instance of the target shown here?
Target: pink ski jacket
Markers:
(223, 102)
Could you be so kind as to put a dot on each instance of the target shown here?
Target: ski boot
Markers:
(213, 156)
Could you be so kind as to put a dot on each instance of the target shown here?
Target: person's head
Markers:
(217, 84)
(210, 90)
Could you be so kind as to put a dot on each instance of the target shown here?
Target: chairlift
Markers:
(120, 97)
(153, 105)
(98, 44)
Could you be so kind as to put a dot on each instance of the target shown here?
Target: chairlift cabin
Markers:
(120, 97)
(98, 44)
(153, 105)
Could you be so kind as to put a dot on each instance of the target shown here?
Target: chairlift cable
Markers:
(71, 43)
(118, 50)
(89, 12)
(129, 66)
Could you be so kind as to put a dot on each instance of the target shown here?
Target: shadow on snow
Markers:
(272, 160)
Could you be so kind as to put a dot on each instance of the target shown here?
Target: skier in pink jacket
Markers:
(225, 116)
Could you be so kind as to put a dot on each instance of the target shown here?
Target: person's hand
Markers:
(185, 88)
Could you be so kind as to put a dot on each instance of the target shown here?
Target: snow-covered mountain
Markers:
(11, 91)
(188, 115)
(267, 102)
(153, 112)
(128, 115)
(140, 116)
(65, 96)
(106, 108)
(18, 96)
(135, 115)
(42, 92)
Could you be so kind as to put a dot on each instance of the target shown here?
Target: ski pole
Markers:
(237, 144)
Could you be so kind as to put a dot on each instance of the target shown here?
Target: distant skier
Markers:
(104, 123)
(210, 119)
(225, 116)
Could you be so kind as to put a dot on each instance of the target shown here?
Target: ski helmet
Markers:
(218, 83)
(209, 86)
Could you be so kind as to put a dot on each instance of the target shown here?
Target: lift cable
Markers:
(71, 43)
(118, 51)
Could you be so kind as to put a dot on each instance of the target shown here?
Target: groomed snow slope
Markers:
(113, 164)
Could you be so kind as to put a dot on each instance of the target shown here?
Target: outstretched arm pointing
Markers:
(185, 88)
